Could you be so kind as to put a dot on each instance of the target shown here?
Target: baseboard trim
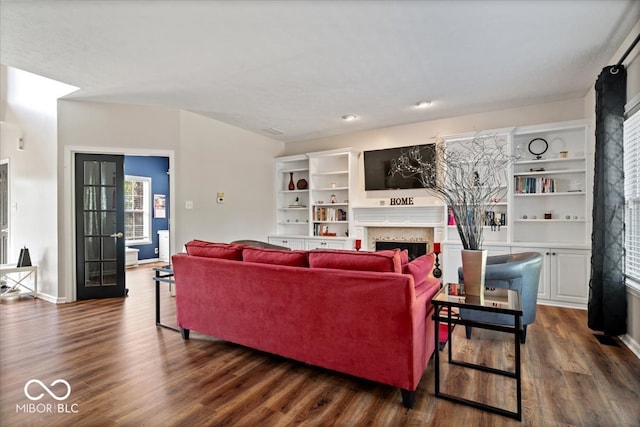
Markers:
(632, 344)
(562, 304)
(149, 261)
(51, 298)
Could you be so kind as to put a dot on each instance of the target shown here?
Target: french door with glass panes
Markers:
(100, 248)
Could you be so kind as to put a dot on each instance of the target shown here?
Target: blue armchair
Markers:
(520, 272)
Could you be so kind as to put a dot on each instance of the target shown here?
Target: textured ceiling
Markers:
(299, 66)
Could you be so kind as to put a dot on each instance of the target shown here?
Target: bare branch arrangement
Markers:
(470, 176)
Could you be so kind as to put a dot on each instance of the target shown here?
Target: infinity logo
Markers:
(52, 394)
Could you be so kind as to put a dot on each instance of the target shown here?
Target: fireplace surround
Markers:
(408, 224)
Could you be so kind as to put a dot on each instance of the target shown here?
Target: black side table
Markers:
(163, 275)
(509, 304)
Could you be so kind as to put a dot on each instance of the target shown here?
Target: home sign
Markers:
(401, 201)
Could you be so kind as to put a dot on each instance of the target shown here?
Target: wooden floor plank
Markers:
(125, 371)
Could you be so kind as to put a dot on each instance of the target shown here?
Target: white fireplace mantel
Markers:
(399, 216)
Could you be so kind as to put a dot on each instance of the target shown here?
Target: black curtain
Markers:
(607, 293)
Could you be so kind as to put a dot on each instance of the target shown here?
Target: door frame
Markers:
(9, 246)
(67, 238)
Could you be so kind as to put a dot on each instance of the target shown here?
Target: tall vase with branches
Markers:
(469, 176)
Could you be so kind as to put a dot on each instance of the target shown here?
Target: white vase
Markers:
(474, 264)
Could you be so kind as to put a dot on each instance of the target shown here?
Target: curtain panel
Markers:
(607, 293)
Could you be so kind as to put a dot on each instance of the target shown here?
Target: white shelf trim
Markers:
(541, 220)
(558, 193)
(550, 172)
(294, 170)
(341, 172)
(558, 160)
(330, 188)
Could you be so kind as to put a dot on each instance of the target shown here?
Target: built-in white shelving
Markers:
(318, 216)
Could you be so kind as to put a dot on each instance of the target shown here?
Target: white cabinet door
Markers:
(570, 272)
(295, 244)
(325, 244)
(564, 278)
(450, 260)
(544, 287)
(497, 250)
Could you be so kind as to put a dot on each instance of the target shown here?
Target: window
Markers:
(632, 196)
(137, 210)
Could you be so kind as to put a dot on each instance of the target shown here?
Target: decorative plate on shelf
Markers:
(557, 145)
(302, 184)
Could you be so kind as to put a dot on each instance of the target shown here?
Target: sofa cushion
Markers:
(275, 256)
(214, 250)
(420, 268)
(404, 257)
(381, 261)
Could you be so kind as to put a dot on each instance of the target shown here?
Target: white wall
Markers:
(31, 114)
(3, 92)
(92, 127)
(423, 132)
(206, 156)
(216, 157)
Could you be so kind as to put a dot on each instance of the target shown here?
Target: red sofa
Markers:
(360, 313)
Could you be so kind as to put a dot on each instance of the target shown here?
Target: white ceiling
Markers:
(299, 66)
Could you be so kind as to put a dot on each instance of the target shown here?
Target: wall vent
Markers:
(274, 131)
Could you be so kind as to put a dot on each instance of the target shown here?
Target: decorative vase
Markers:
(302, 184)
(292, 186)
(474, 264)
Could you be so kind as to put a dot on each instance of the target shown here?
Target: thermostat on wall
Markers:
(220, 198)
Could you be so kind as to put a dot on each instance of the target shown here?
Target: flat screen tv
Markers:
(377, 167)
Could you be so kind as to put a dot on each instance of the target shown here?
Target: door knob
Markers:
(118, 235)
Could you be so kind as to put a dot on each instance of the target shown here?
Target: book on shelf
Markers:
(323, 230)
(329, 214)
(455, 292)
(531, 185)
(493, 218)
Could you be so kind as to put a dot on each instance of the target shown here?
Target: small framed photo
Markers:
(159, 206)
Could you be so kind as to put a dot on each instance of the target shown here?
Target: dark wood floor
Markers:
(125, 371)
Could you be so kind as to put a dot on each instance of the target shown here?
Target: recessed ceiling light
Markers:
(423, 104)
(349, 117)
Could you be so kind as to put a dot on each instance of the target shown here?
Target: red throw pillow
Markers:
(387, 261)
(214, 250)
(404, 257)
(421, 267)
(275, 256)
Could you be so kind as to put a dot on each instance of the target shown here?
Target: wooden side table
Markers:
(18, 281)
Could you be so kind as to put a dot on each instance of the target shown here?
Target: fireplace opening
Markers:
(415, 249)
